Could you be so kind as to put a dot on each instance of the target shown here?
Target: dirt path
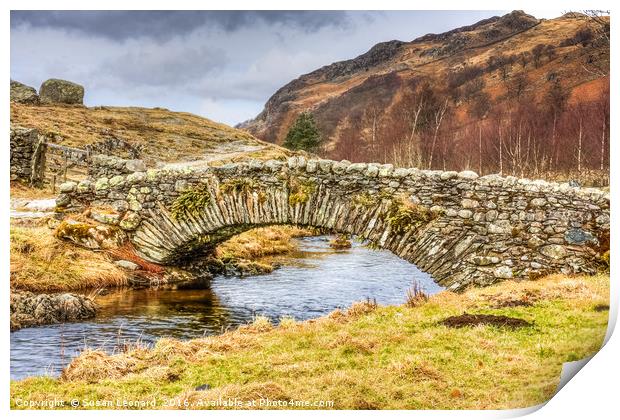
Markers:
(22, 208)
(219, 152)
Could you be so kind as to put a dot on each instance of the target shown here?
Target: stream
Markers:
(308, 285)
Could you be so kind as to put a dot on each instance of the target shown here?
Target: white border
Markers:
(592, 394)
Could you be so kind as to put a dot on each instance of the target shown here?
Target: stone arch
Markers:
(459, 228)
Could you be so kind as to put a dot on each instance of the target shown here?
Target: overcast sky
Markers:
(221, 65)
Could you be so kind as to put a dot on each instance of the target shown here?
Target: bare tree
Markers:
(537, 53)
(439, 115)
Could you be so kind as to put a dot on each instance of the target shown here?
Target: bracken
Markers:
(190, 201)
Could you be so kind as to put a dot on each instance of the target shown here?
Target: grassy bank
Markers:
(257, 250)
(366, 356)
(42, 263)
(165, 136)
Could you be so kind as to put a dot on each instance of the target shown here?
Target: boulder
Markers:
(128, 265)
(135, 165)
(29, 309)
(23, 94)
(56, 91)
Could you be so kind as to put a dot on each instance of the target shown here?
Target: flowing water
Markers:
(309, 285)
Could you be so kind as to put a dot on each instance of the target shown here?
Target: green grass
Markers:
(365, 357)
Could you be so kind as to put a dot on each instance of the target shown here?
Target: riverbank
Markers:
(367, 356)
(47, 262)
(257, 251)
(40, 262)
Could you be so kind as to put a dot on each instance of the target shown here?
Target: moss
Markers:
(374, 245)
(603, 260)
(516, 231)
(238, 185)
(253, 268)
(74, 230)
(190, 202)
(300, 190)
(404, 215)
(366, 200)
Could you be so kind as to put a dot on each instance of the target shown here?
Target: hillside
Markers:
(165, 136)
(364, 107)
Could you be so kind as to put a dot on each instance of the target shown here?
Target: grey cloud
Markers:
(223, 65)
(161, 25)
(171, 66)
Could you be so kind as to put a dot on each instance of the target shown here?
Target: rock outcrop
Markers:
(56, 91)
(29, 309)
(23, 94)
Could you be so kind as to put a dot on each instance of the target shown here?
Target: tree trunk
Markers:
(579, 146)
(603, 146)
(480, 148)
(501, 146)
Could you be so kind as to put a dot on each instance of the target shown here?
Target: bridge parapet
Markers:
(460, 228)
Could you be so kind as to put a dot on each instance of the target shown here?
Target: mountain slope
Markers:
(461, 65)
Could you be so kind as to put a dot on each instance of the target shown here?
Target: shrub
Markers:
(583, 36)
(304, 134)
(299, 191)
(415, 295)
(238, 185)
(464, 75)
(403, 215)
(366, 200)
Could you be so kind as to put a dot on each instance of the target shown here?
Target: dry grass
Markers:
(340, 242)
(368, 356)
(42, 263)
(20, 190)
(415, 295)
(262, 242)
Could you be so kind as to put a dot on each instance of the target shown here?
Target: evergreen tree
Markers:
(304, 134)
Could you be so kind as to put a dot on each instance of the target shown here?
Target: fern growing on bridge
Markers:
(190, 202)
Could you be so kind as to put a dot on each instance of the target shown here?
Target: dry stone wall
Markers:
(115, 147)
(27, 155)
(460, 228)
(110, 166)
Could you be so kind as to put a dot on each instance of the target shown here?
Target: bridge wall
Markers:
(460, 228)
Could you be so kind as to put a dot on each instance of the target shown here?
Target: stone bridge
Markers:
(460, 228)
